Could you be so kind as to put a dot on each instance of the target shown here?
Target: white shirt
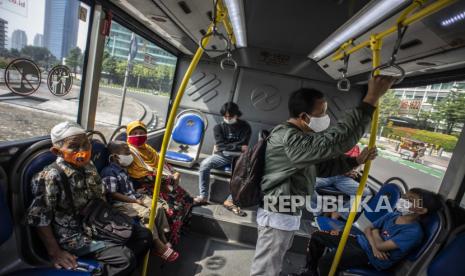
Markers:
(277, 220)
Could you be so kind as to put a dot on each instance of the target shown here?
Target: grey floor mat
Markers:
(222, 258)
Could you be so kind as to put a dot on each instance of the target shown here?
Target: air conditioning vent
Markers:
(365, 61)
(410, 44)
(425, 63)
(158, 18)
(185, 8)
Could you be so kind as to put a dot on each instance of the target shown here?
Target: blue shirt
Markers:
(405, 236)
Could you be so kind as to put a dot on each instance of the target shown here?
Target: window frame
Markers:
(130, 23)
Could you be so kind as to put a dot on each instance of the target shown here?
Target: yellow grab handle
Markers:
(376, 45)
(167, 135)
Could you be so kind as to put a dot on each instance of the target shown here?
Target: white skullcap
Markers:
(64, 130)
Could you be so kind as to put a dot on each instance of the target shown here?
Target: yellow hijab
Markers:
(145, 157)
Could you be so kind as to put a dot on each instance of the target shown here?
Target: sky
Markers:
(31, 19)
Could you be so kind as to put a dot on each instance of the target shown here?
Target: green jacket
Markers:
(293, 159)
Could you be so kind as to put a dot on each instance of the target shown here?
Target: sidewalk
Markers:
(25, 117)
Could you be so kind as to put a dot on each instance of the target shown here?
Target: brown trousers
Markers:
(161, 225)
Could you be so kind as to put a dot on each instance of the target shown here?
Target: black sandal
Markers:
(236, 210)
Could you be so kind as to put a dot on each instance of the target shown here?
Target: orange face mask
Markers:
(77, 158)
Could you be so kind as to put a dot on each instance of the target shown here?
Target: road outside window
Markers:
(41, 57)
(141, 73)
(419, 130)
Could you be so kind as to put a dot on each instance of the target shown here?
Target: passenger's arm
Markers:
(244, 138)
(40, 214)
(381, 244)
(308, 149)
(59, 257)
(376, 252)
(123, 198)
(344, 164)
(219, 137)
(336, 166)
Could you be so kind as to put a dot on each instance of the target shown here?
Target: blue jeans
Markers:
(213, 162)
(341, 183)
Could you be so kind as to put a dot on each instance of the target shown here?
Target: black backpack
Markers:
(99, 219)
(248, 173)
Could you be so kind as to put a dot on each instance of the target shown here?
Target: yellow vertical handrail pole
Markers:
(167, 135)
(375, 45)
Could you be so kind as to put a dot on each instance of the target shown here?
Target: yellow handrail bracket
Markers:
(405, 19)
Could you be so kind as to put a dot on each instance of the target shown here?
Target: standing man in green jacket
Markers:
(297, 152)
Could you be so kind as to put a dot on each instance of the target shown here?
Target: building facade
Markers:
(61, 26)
(3, 33)
(18, 39)
(119, 43)
(416, 99)
(39, 40)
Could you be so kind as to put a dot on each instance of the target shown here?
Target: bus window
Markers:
(144, 70)
(42, 44)
(417, 135)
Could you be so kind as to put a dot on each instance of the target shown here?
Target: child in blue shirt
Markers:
(391, 238)
(120, 191)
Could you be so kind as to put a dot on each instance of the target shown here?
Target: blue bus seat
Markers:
(391, 191)
(449, 261)
(6, 221)
(100, 155)
(186, 139)
(434, 226)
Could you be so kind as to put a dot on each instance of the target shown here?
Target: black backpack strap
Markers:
(65, 183)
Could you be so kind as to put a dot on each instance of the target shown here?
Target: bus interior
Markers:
(259, 52)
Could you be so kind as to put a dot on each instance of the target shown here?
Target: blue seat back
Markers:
(6, 221)
(450, 261)
(431, 225)
(100, 155)
(392, 192)
(189, 130)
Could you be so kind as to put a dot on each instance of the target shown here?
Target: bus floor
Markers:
(219, 243)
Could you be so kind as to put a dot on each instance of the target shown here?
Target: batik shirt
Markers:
(50, 205)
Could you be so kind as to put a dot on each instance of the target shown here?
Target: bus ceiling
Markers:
(430, 47)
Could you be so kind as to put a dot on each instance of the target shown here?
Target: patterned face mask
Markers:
(77, 158)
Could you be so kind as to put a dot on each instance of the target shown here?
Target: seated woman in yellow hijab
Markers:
(143, 172)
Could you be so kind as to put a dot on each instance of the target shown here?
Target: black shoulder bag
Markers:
(99, 219)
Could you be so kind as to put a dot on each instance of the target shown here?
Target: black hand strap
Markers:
(65, 183)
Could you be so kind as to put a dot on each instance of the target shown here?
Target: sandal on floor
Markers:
(235, 209)
(200, 200)
(169, 255)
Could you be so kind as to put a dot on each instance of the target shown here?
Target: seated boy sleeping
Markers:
(390, 239)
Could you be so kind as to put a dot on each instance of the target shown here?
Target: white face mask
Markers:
(318, 124)
(125, 160)
(403, 206)
(230, 121)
